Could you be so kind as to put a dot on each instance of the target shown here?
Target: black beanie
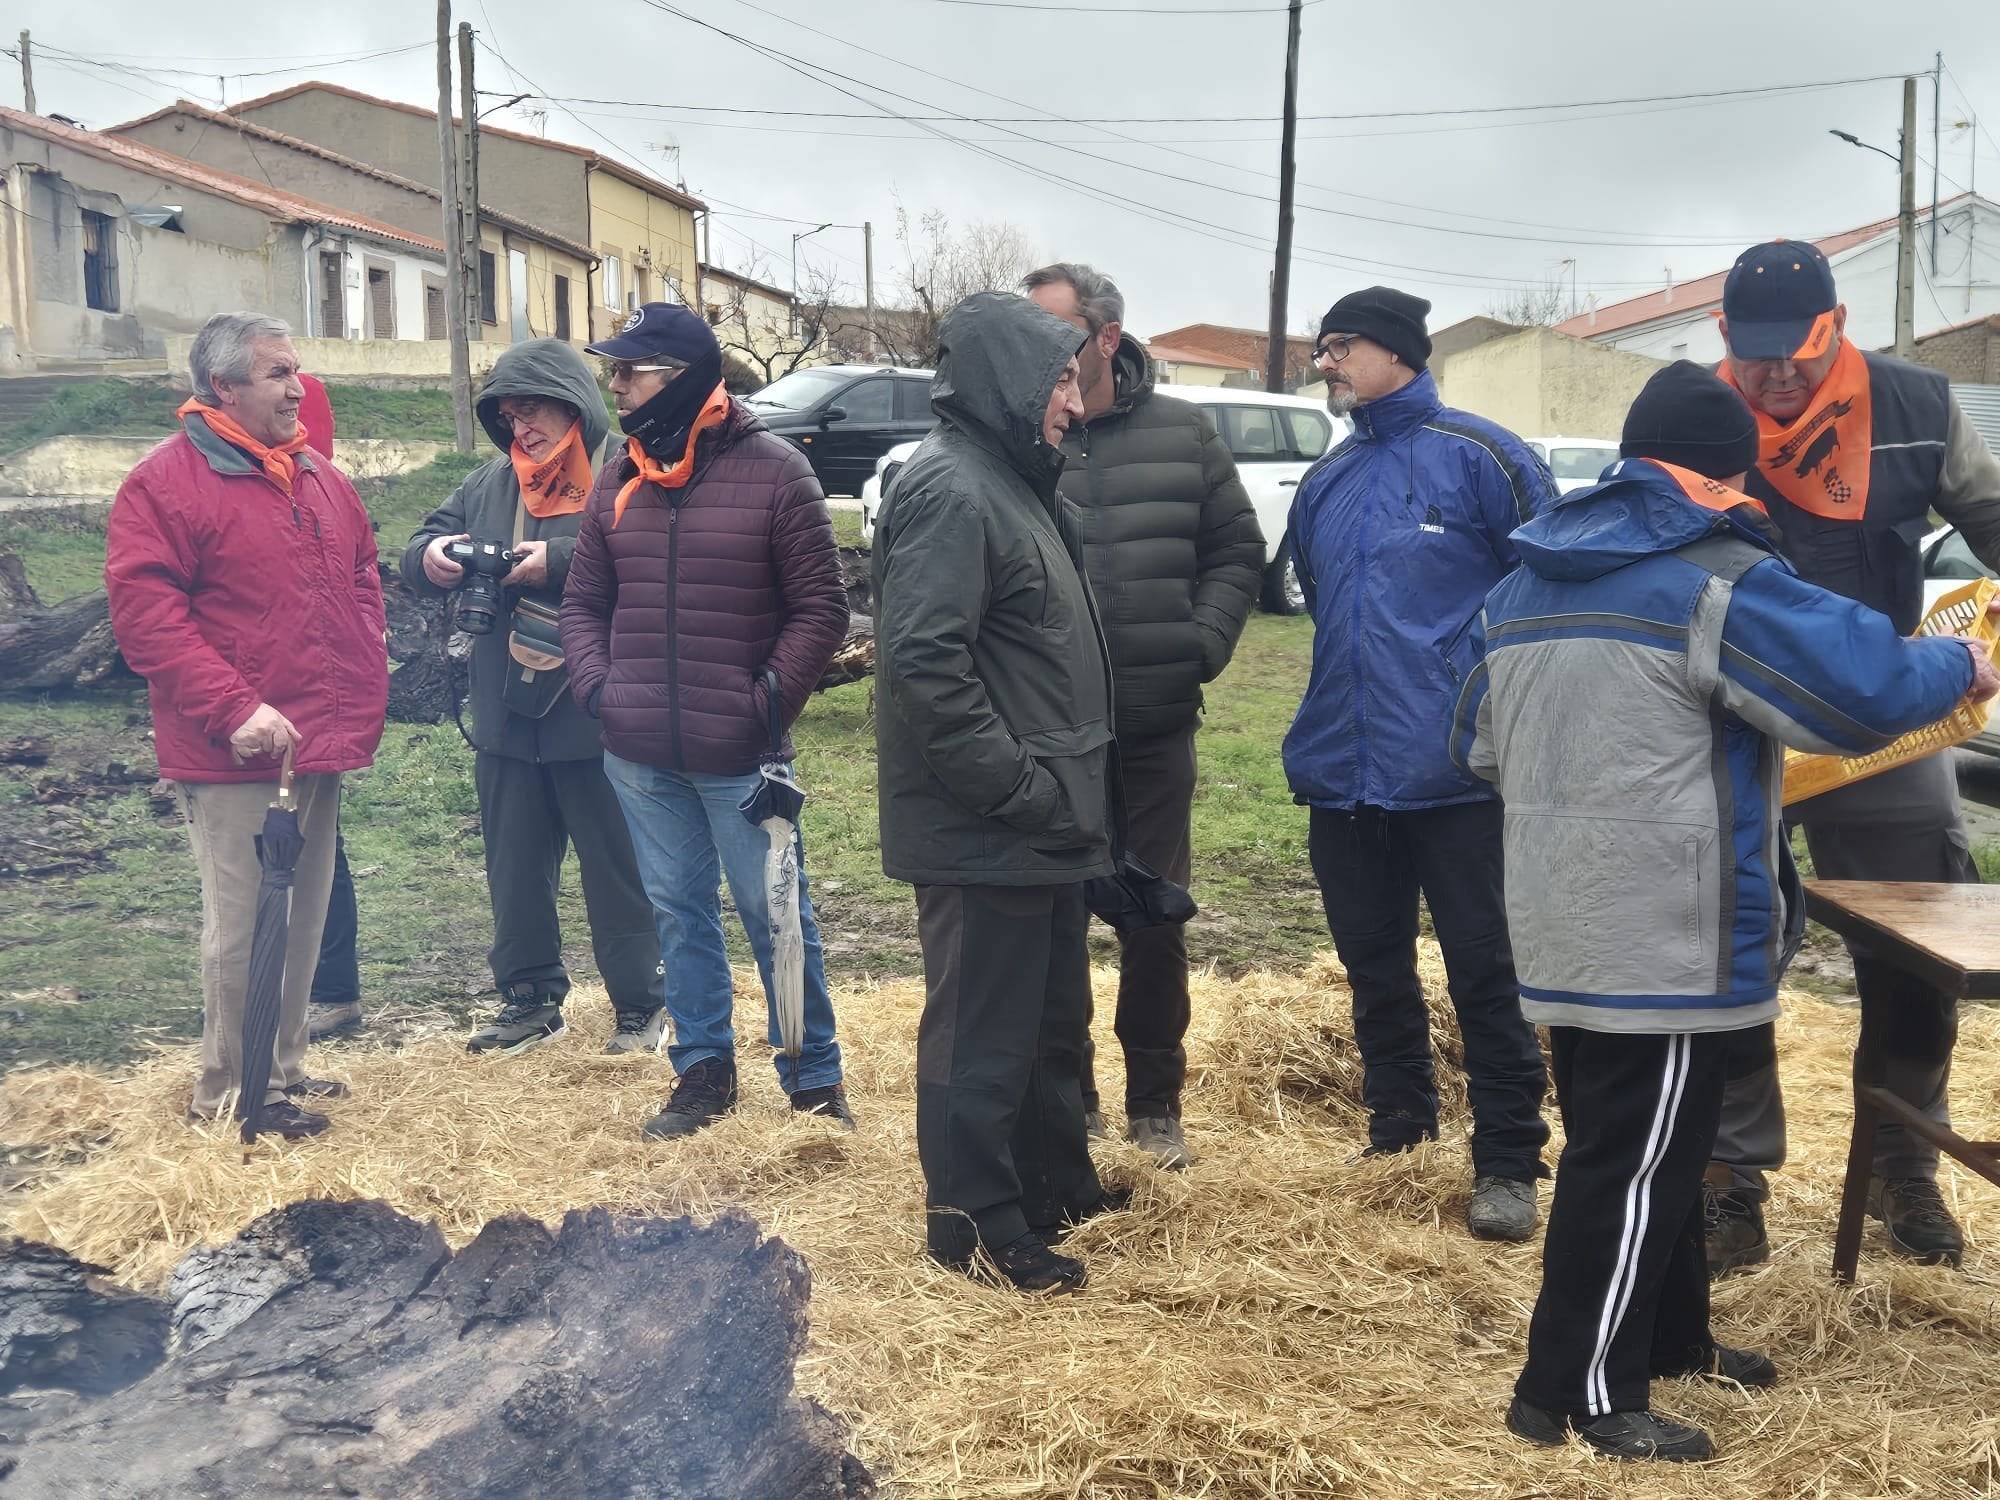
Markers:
(1393, 319)
(1688, 417)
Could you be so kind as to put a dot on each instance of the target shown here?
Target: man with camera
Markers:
(502, 544)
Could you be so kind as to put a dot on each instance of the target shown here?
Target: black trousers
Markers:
(1152, 1018)
(1371, 866)
(531, 814)
(1624, 1273)
(999, 1051)
(337, 980)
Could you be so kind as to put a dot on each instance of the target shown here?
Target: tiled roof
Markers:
(749, 283)
(1233, 348)
(1706, 292)
(311, 148)
(603, 163)
(152, 162)
(1168, 354)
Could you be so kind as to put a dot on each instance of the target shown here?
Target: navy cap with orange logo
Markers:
(1779, 301)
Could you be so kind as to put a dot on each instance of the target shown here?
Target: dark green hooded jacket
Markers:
(1172, 547)
(993, 689)
(485, 504)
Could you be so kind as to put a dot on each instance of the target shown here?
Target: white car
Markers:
(1574, 462)
(1274, 440)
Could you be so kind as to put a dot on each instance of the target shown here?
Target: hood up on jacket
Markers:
(1131, 374)
(1636, 510)
(549, 369)
(999, 357)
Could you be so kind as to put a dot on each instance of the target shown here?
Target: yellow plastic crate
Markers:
(1961, 612)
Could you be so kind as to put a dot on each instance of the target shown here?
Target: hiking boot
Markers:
(1093, 1125)
(702, 1095)
(830, 1102)
(316, 1088)
(1502, 1208)
(521, 1024)
(288, 1120)
(638, 1031)
(1920, 1226)
(1110, 1201)
(1622, 1434)
(1028, 1265)
(1733, 1227)
(323, 1021)
(1740, 1366)
(1159, 1136)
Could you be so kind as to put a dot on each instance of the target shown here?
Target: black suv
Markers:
(844, 417)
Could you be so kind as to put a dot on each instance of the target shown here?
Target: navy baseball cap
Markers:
(663, 332)
(1779, 301)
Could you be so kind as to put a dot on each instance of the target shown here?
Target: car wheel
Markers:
(1283, 593)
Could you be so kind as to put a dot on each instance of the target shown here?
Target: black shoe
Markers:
(702, 1095)
(1733, 1228)
(830, 1101)
(1093, 1125)
(1028, 1265)
(1622, 1434)
(1920, 1226)
(316, 1088)
(521, 1025)
(1742, 1366)
(288, 1120)
(1110, 1201)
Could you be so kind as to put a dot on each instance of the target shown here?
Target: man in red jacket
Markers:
(242, 582)
(704, 569)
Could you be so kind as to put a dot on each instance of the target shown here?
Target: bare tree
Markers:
(941, 268)
(760, 334)
(1542, 305)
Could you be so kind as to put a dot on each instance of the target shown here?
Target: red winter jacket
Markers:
(225, 593)
(668, 618)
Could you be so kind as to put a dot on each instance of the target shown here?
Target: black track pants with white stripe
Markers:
(1624, 1275)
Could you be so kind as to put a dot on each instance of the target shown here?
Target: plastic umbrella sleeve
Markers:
(774, 806)
(279, 846)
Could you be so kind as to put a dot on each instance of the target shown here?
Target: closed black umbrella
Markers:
(278, 850)
(774, 806)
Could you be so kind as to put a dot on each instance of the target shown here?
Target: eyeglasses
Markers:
(621, 369)
(1335, 349)
(524, 414)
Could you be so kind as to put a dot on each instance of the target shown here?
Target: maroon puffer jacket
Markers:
(669, 618)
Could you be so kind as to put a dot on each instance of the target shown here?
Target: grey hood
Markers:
(998, 359)
(547, 368)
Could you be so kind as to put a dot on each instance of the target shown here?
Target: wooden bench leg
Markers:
(1854, 1192)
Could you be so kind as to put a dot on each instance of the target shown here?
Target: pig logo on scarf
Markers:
(1820, 441)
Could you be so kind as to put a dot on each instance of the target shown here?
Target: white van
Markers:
(1574, 462)
(1274, 440)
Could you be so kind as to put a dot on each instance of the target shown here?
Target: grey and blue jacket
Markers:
(1630, 689)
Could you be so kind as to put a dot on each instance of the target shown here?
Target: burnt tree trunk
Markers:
(342, 1349)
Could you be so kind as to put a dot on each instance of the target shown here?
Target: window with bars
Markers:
(489, 292)
(434, 324)
(100, 261)
(332, 298)
(382, 302)
(562, 307)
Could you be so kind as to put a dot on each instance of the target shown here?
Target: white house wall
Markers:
(406, 282)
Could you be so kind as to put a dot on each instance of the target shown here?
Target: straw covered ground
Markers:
(1284, 1320)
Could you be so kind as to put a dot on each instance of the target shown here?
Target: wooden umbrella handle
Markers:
(285, 777)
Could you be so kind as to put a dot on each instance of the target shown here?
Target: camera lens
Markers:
(478, 607)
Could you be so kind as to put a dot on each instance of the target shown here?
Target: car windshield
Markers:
(1952, 558)
(801, 390)
(1579, 463)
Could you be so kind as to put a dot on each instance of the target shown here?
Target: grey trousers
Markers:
(223, 821)
(1904, 824)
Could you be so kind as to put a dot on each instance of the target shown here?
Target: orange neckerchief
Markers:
(559, 484)
(1709, 494)
(1819, 461)
(277, 461)
(713, 411)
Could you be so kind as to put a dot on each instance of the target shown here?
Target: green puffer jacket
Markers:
(1171, 546)
(993, 691)
(484, 504)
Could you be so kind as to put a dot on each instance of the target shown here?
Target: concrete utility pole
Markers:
(27, 74)
(454, 262)
(1906, 230)
(468, 188)
(1281, 274)
(868, 281)
(1937, 145)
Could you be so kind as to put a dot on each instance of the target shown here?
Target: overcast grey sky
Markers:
(1453, 206)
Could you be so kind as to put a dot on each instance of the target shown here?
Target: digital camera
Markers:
(482, 601)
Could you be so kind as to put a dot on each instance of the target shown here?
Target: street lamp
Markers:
(795, 273)
(1855, 140)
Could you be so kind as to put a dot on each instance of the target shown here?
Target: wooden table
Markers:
(1945, 935)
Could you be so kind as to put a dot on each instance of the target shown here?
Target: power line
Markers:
(1119, 10)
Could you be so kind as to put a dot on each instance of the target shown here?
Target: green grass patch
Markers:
(126, 408)
(366, 411)
(399, 505)
(62, 555)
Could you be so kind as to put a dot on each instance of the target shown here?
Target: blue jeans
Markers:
(689, 835)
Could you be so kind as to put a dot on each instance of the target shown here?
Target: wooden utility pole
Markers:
(454, 262)
(1937, 149)
(868, 281)
(1281, 272)
(468, 189)
(1906, 231)
(27, 73)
